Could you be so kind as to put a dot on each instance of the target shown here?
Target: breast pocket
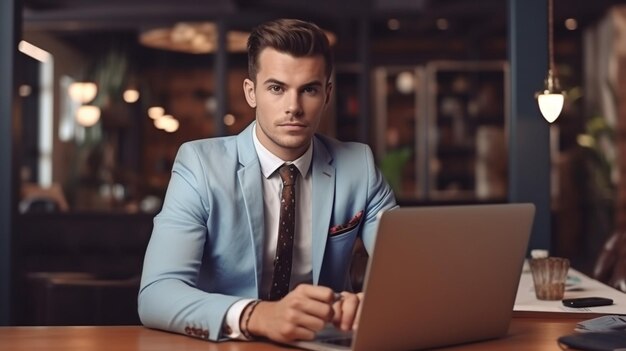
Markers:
(337, 258)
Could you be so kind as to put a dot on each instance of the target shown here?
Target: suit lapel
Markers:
(249, 177)
(323, 176)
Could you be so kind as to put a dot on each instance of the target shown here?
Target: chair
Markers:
(74, 298)
(610, 266)
(36, 199)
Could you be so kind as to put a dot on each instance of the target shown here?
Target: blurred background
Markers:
(108, 90)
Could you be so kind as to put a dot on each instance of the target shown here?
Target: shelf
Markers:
(452, 119)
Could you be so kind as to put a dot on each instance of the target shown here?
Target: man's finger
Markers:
(319, 293)
(357, 318)
(349, 307)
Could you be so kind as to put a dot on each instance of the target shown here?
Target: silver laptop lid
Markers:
(443, 275)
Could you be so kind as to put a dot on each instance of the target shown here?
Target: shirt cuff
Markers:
(233, 316)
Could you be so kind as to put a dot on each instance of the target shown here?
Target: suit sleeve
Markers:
(168, 296)
(380, 198)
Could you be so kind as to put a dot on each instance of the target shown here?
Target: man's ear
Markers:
(329, 89)
(248, 91)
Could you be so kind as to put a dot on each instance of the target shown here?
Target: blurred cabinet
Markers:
(398, 111)
(346, 108)
(441, 130)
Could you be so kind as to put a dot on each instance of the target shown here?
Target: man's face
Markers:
(290, 95)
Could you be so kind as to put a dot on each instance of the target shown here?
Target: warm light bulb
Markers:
(405, 82)
(550, 105)
(161, 122)
(172, 125)
(167, 123)
(229, 119)
(393, 24)
(442, 24)
(131, 95)
(156, 111)
(82, 92)
(88, 115)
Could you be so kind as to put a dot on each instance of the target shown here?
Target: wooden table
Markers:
(538, 331)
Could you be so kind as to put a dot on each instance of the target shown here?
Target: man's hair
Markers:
(294, 37)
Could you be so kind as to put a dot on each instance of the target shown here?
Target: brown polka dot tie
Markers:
(286, 231)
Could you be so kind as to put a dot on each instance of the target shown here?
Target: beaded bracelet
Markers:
(244, 330)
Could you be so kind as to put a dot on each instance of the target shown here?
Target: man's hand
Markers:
(347, 311)
(298, 316)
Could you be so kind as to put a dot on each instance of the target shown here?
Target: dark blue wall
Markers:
(529, 149)
(8, 47)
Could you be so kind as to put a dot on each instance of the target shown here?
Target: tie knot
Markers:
(288, 173)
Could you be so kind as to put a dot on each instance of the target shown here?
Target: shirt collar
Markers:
(270, 162)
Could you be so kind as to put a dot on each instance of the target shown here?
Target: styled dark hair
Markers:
(291, 36)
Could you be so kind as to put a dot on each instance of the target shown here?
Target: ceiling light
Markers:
(571, 24)
(156, 111)
(87, 115)
(405, 82)
(131, 95)
(25, 90)
(198, 38)
(229, 119)
(171, 126)
(82, 92)
(393, 24)
(167, 123)
(33, 51)
(550, 105)
(443, 24)
(192, 37)
(551, 98)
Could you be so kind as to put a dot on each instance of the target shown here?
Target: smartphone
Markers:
(587, 302)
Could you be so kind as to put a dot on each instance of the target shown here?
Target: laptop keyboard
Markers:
(332, 336)
(344, 341)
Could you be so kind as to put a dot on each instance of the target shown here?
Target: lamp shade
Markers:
(550, 105)
(167, 123)
(87, 115)
(82, 92)
(155, 112)
(131, 95)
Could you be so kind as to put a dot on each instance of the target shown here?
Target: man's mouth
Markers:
(292, 125)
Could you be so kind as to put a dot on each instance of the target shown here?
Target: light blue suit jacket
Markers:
(206, 249)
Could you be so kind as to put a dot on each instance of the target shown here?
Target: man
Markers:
(212, 268)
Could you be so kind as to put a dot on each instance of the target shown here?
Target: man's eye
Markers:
(311, 90)
(275, 88)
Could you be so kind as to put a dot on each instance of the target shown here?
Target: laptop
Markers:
(438, 276)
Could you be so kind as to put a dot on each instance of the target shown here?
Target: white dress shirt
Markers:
(272, 186)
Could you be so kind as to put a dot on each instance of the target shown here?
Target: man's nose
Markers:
(294, 104)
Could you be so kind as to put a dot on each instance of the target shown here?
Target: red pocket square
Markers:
(342, 228)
